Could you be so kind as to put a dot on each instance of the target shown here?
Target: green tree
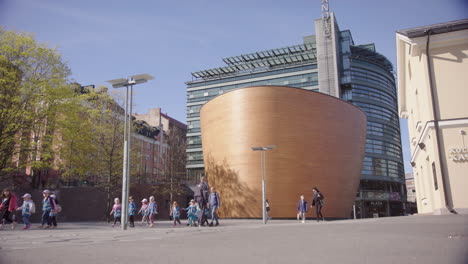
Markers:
(107, 119)
(11, 110)
(176, 159)
(42, 90)
(76, 152)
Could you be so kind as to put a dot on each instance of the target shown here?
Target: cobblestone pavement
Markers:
(411, 239)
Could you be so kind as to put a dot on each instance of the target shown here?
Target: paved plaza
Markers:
(411, 239)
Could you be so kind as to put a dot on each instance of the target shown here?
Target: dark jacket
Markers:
(201, 191)
(317, 199)
(302, 206)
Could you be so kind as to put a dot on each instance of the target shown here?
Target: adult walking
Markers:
(214, 203)
(317, 201)
(201, 197)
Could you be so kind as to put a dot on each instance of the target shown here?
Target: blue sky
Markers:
(102, 40)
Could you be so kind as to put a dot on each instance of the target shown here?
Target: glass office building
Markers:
(328, 62)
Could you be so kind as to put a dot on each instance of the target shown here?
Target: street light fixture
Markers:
(263, 149)
(127, 83)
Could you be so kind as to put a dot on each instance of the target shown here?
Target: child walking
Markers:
(48, 206)
(152, 210)
(27, 208)
(116, 211)
(8, 207)
(53, 214)
(302, 208)
(175, 213)
(131, 211)
(144, 211)
(192, 213)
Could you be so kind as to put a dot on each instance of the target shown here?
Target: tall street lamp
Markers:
(127, 83)
(263, 150)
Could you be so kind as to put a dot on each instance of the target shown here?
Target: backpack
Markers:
(32, 210)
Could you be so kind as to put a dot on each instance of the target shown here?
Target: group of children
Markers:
(149, 210)
(9, 205)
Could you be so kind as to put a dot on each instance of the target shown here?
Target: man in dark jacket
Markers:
(201, 197)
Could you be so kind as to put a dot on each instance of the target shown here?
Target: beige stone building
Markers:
(433, 95)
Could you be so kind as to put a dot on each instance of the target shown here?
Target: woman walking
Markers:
(317, 201)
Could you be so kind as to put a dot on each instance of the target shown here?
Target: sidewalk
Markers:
(411, 239)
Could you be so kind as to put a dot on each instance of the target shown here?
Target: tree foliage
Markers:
(34, 86)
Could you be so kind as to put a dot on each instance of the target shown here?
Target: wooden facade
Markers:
(320, 142)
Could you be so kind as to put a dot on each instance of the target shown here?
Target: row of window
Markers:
(194, 109)
(374, 82)
(382, 133)
(374, 79)
(378, 112)
(291, 80)
(194, 130)
(377, 89)
(255, 75)
(370, 66)
(371, 74)
(383, 150)
(382, 167)
(375, 96)
(195, 156)
(297, 85)
(383, 143)
(193, 124)
(390, 128)
(194, 140)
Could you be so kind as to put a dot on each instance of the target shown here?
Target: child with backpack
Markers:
(175, 213)
(131, 211)
(192, 213)
(48, 207)
(152, 210)
(144, 211)
(27, 208)
(53, 214)
(116, 211)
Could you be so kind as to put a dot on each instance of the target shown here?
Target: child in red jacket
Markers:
(8, 205)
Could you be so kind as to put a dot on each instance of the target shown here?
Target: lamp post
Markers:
(128, 84)
(263, 149)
